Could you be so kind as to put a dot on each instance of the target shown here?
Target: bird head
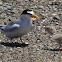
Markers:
(30, 12)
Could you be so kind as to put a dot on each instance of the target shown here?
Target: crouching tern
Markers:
(20, 26)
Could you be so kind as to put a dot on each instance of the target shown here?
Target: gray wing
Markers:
(12, 26)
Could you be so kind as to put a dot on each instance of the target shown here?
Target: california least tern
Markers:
(20, 26)
(58, 39)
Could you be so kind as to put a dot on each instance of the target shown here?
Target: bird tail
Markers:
(2, 26)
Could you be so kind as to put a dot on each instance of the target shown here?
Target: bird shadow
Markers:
(52, 49)
(16, 44)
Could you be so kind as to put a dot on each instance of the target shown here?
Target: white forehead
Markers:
(31, 12)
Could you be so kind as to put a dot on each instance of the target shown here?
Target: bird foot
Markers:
(25, 43)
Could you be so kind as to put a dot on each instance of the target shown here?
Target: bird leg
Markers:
(23, 43)
(11, 40)
(5, 23)
(8, 40)
(9, 19)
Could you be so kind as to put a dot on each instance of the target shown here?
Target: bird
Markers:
(58, 38)
(21, 26)
(50, 29)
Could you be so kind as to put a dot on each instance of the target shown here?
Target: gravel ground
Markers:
(42, 39)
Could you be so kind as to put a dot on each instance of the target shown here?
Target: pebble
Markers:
(0, 40)
(10, 49)
(1, 2)
(1, 10)
(3, 15)
(9, 7)
(54, 14)
(56, 18)
(34, 46)
(39, 27)
(4, 8)
(40, 7)
(1, 61)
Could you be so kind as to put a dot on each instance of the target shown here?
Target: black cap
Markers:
(25, 12)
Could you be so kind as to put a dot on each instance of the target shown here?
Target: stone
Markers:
(1, 2)
(3, 15)
(1, 61)
(56, 18)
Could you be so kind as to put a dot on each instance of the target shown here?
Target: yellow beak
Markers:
(34, 16)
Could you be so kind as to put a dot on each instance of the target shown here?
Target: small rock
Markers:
(34, 46)
(11, 49)
(0, 40)
(3, 15)
(1, 61)
(9, 7)
(54, 14)
(56, 18)
(40, 7)
(4, 8)
(39, 27)
(44, 15)
(1, 2)
(1, 10)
